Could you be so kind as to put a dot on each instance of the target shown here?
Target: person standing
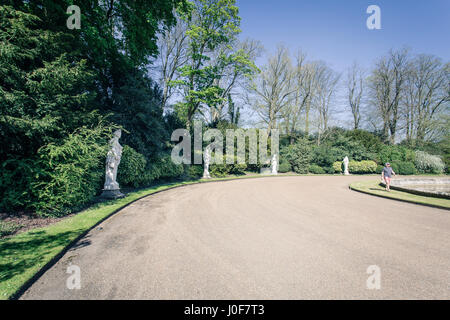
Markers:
(386, 175)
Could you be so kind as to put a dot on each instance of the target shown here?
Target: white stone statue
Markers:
(274, 165)
(346, 166)
(111, 187)
(206, 159)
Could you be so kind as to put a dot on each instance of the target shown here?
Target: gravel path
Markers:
(270, 238)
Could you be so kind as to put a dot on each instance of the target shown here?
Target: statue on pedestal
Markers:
(111, 189)
(206, 159)
(274, 165)
(346, 166)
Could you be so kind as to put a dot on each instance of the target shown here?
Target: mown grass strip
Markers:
(373, 188)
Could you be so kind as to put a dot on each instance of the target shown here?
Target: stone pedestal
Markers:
(206, 175)
(112, 194)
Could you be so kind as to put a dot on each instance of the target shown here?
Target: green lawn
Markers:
(373, 187)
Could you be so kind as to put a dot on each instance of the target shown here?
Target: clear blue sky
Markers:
(335, 30)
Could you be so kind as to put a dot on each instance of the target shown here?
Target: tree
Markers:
(235, 66)
(273, 90)
(426, 97)
(387, 84)
(173, 50)
(211, 24)
(303, 78)
(355, 89)
(325, 84)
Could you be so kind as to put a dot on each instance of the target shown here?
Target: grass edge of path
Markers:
(374, 188)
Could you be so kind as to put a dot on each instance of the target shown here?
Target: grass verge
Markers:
(372, 187)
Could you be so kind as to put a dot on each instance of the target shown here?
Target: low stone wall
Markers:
(420, 186)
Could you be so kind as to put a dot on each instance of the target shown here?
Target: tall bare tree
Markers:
(386, 85)
(325, 85)
(173, 45)
(302, 82)
(355, 89)
(427, 95)
(273, 90)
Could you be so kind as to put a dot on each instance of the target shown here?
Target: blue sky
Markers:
(336, 32)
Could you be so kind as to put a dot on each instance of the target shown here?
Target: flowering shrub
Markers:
(427, 163)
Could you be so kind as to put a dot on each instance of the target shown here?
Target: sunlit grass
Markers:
(374, 188)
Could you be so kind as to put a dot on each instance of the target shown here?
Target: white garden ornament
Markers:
(111, 189)
(346, 166)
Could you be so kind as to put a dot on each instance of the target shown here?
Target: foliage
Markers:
(56, 83)
(298, 156)
(195, 171)
(71, 172)
(403, 167)
(337, 166)
(330, 170)
(224, 169)
(16, 176)
(132, 168)
(212, 25)
(391, 153)
(427, 163)
(367, 139)
(338, 144)
(362, 167)
(314, 168)
(284, 167)
(164, 169)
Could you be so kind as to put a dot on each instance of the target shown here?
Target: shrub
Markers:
(330, 170)
(164, 169)
(132, 168)
(298, 156)
(16, 177)
(380, 168)
(427, 163)
(284, 167)
(362, 167)
(219, 170)
(71, 172)
(316, 169)
(195, 171)
(404, 167)
(337, 167)
(395, 153)
(224, 169)
(238, 169)
(369, 140)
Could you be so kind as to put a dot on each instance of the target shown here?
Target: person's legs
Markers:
(388, 183)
